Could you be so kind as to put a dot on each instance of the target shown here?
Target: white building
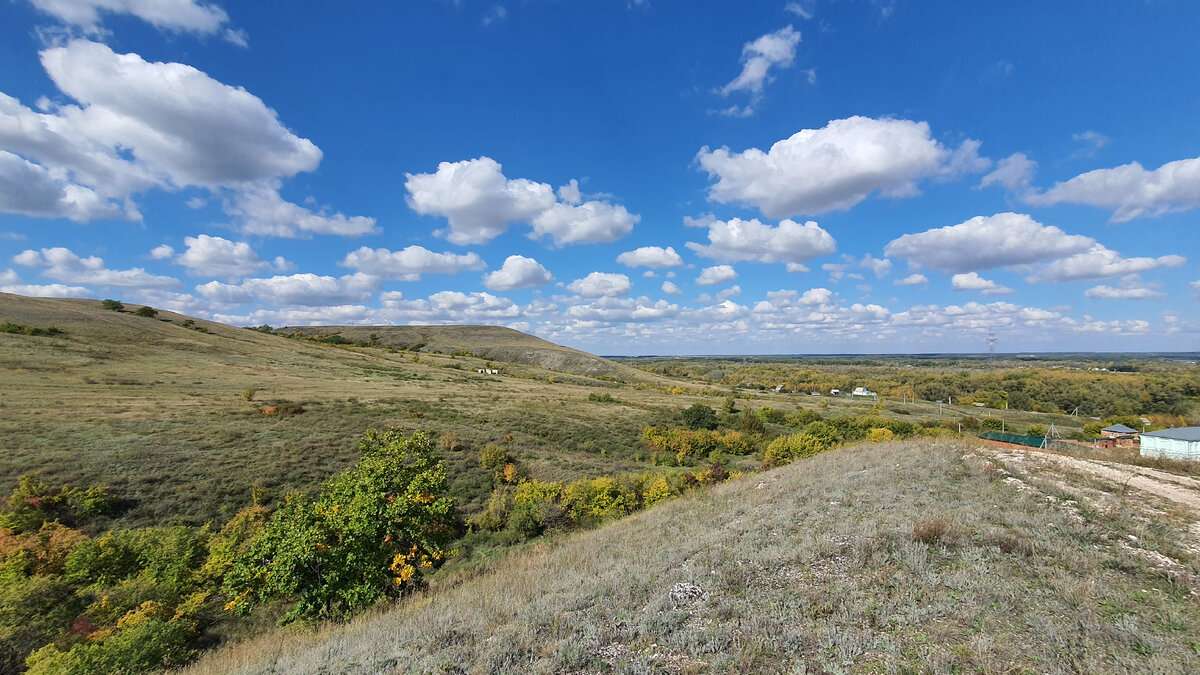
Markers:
(1180, 443)
(862, 391)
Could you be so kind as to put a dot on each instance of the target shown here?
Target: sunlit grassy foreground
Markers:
(876, 558)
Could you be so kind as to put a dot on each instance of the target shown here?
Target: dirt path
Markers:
(1179, 489)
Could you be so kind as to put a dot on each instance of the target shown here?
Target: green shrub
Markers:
(114, 305)
(787, 449)
(993, 423)
(700, 416)
(148, 312)
(601, 398)
(371, 533)
(248, 393)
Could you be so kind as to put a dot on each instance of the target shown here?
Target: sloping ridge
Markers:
(908, 556)
(495, 343)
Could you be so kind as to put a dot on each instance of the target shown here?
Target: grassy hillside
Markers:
(495, 343)
(168, 410)
(918, 557)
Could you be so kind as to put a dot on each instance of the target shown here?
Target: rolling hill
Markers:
(167, 409)
(494, 343)
(904, 557)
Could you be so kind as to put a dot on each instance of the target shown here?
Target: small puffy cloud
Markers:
(799, 10)
(1090, 142)
(479, 203)
(833, 168)
(1014, 173)
(61, 264)
(656, 257)
(305, 290)
(1130, 191)
(162, 252)
(262, 211)
(740, 240)
(570, 193)
(1195, 286)
(601, 285)
(476, 199)
(1100, 262)
(218, 257)
(880, 266)
(971, 281)
(518, 272)
(671, 289)
(718, 274)
(588, 223)
(984, 242)
(730, 292)
(773, 50)
(410, 263)
(186, 16)
(912, 280)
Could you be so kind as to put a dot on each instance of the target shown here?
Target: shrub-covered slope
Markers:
(880, 558)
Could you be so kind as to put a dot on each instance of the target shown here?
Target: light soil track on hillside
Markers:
(1183, 490)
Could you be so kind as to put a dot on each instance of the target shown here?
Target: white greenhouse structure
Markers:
(1181, 443)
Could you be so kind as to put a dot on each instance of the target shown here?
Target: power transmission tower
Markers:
(1051, 436)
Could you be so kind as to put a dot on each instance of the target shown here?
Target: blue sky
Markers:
(618, 176)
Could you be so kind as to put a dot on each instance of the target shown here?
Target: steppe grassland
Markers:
(914, 555)
(159, 412)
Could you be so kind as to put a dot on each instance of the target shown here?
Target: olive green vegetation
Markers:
(903, 557)
(157, 409)
(1091, 385)
(214, 446)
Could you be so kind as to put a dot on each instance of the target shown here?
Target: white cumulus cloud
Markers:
(1130, 191)
(187, 16)
(912, 280)
(62, 264)
(717, 274)
(305, 290)
(587, 223)
(518, 272)
(479, 203)
(971, 281)
(740, 240)
(262, 211)
(773, 50)
(218, 257)
(1014, 173)
(410, 263)
(835, 167)
(656, 257)
(1100, 262)
(670, 288)
(601, 284)
(984, 242)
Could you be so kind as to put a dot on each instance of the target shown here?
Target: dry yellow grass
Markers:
(829, 565)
